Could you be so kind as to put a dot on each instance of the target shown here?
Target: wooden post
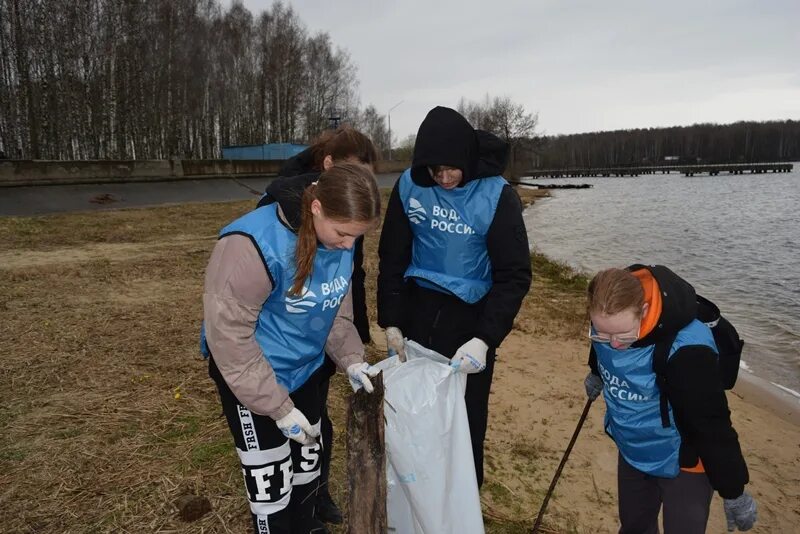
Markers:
(366, 461)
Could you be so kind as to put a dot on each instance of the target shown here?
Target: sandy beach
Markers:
(107, 415)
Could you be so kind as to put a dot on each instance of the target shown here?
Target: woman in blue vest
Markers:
(678, 460)
(454, 257)
(277, 298)
(343, 144)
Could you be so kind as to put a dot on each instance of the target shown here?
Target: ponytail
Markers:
(347, 192)
(306, 241)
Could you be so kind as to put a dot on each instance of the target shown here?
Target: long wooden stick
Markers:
(561, 466)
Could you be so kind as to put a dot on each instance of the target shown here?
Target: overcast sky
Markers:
(582, 66)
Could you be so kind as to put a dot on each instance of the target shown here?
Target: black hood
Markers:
(678, 303)
(301, 163)
(288, 193)
(447, 138)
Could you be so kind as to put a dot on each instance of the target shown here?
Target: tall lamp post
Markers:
(389, 120)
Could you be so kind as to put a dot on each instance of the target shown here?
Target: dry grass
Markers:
(107, 414)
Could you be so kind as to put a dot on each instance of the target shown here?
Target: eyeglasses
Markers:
(620, 339)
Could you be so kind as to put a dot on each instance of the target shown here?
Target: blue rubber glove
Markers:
(740, 512)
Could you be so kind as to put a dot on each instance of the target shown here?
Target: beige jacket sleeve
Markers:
(344, 345)
(236, 287)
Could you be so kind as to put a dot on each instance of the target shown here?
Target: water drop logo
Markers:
(302, 303)
(416, 213)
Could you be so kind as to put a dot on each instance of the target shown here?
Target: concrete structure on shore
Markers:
(38, 172)
(15, 173)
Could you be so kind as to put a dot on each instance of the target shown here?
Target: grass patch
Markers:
(558, 273)
(206, 454)
(12, 455)
(184, 427)
(499, 493)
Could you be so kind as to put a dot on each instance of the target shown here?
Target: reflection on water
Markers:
(733, 237)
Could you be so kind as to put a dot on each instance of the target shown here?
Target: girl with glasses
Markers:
(677, 462)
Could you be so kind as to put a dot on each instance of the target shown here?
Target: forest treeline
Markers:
(155, 79)
(745, 142)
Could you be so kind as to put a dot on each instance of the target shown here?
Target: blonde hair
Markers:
(348, 192)
(614, 290)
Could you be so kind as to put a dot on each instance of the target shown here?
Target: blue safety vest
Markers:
(633, 416)
(449, 251)
(292, 330)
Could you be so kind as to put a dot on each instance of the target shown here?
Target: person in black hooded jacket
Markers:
(454, 256)
(677, 454)
(296, 174)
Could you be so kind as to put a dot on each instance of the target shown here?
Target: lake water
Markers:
(733, 237)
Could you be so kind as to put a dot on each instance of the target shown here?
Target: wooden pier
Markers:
(686, 170)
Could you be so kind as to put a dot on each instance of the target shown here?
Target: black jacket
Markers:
(302, 163)
(694, 390)
(446, 138)
(288, 192)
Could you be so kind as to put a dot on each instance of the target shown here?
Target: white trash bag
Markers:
(432, 488)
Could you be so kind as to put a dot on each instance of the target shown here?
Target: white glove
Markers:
(359, 375)
(394, 342)
(470, 357)
(294, 425)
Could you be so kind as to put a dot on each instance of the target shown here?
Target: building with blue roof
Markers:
(279, 151)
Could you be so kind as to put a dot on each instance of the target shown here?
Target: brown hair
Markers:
(343, 143)
(614, 290)
(348, 192)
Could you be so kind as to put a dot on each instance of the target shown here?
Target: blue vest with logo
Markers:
(292, 330)
(633, 416)
(449, 251)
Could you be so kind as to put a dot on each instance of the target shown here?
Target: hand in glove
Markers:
(294, 425)
(359, 375)
(740, 512)
(470, 357)
(394, 343)
(593, 385)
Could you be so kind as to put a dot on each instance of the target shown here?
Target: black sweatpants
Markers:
(326, 429)
(443, 323)
(280, 475)
(686, 500)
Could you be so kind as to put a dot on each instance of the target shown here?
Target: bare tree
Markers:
(161, 78)
(509, 121)
(327, 90)
(373, 125)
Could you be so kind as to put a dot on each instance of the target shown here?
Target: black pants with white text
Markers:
(281, 475)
